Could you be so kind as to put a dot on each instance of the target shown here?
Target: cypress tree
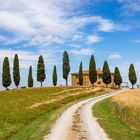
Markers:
(6, 76)
(41, 76)
(30, 78)
(117, 77)
(54, 76)
(92, 71)
(132, 75)
(81, 74)
(106, 74)
(16, 71)
(66, 66)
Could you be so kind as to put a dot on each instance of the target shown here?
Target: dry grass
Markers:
(126, 106)
(26, 113)
(64, 94)
(129, 98)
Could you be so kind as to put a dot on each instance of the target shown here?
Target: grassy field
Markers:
(28, 114)
(126, 106)
(120, 116)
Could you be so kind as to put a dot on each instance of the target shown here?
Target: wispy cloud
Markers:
(114, 56)
(130, 7)
(82, 52)
(75, 46)
(92, 39)
(136, 41)
(28, 58)
(48, 22)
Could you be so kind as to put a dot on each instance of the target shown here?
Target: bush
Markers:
(23, 87)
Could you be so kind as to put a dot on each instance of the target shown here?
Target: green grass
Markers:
(113, 126)
(20, 122)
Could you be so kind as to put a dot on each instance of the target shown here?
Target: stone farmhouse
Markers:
(86, 80)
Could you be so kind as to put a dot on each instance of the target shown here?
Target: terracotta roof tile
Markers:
(86, 72)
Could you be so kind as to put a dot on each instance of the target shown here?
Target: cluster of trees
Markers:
(41, 76)
(6, 76)
(106, 74)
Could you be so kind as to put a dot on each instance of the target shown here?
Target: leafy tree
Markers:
(81, 74)
(41, 76)
(117, 77)
(54, 76)
(106, 74)
(16, 71)
(132, 75)
(66, 66)
(30, 78)
(92, 71)
(6, 76)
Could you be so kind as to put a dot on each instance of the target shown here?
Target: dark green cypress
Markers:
(6, 76)
(54, 76)
(41, 76)
(92, 71)
(117, 77)
(132, 75)
(30, 78)
(106, 74)
(16, 71)
(81, 74)
(66, 66)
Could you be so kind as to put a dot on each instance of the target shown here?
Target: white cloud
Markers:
(129, 7)
(75, 46)
(2, 38)
(114, 56)
(48, 20)
(14, 22)
(45, 40)
(93, 39)
(137, 41)
(28, 58)
(78, 37)
(83, 52)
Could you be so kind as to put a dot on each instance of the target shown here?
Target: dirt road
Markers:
(78, 123)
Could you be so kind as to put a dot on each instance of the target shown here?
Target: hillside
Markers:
(30, 113)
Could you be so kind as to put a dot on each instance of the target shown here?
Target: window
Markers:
(99, 83)
(77, 76)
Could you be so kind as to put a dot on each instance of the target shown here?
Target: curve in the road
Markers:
(87, 129)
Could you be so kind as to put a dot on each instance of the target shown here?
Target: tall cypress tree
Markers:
(132, 75)
(117, 77)
(81, 74)
(106, 74)
(54, 76)
(6, 76)
(30, 78)
(92, 71)
(66, 66)
(16, 71)
(41, 76)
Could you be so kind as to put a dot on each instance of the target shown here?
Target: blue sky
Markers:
(109, 29)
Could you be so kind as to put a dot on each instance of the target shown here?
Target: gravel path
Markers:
(78, 123)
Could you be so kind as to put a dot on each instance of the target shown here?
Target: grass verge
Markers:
(20, 122)
(116, 129)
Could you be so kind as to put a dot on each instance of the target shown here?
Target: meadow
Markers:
(126, 106)
(120, 115)
(30, 113)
